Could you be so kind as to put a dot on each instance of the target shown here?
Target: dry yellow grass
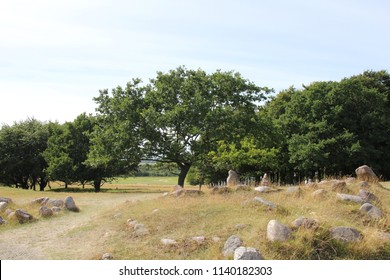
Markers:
(105, 229)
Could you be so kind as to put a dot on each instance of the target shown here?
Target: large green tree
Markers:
(179, 117)
(21, 147)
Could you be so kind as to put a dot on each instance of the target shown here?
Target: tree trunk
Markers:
(97, 184)
(184, 168)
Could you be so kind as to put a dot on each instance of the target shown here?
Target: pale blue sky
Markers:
(56, 55)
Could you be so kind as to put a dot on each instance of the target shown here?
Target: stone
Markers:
(232, 179)
(70, 204)
(216, 239)
(56, 209)
(350, 180)
(231, 244)
(277, 231)
(1, 221)
(140, 230)
(265, 202)
(3, 206)
(349, 197)
(55, 202)
(41, 200)
(45, 211)
(23, 216)
(168, 242)
(264, 180)
(371, 210)
(345, 234)
(303, 222)
(320, 193)
(177, 191)
(131, 223)
(5, 199)
(107, 256)
(247, 253)
(365, 173)
(338, 185)
(368, 196)
(199, 239)
(263, 189)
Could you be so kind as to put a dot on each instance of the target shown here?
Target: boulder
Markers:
(368, 196)
(247, 253)
(41, 200)
(303, 222)
(232, 179)
(45, 211)
(56, 209)
(345, 234)
(277, 231)
(23, 216)
(70, 204)
(371, 210)
(5, 199)
(349, 197)
(199, 239)
(3, 206)
(263, 189)
(231, 244)
(365, 173)
(320, 193)
(338, 185)
(177, 191)
(55, 202)
(107, 256)
(265, 202)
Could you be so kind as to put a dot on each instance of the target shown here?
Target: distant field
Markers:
(164, 181)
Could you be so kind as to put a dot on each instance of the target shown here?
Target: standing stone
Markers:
(23, 216)
(3, 206)
(365, 173)
(231, 244)
(45, 211)
(349, 197)
(277, 231)
(247, 253)
(345, 234)
(371, 210)
(232, 179)
(71, 205)
(265, 181)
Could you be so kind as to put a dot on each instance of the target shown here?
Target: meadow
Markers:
(102, 225)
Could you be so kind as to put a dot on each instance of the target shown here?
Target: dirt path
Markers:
(64, 237)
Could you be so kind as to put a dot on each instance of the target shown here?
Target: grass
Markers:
(218, 216)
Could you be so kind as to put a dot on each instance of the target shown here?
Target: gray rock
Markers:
(265, 202)
(368, 196)
(232, 179)
(349, 197)
(140, 230)
(23, 216)
(247, 253)
(371, 211)
(5, 199)
(177, 191)
(70, 204)
(263, 189)
(107, 256)
(45, 211)
(1, 221)
(3, 206)
(365, 173)
(277, 231)
(55, 202)
(199, 239)
(168, 242)
(231, 244)
(305, 223)
(56, 209)
(41, 200)
(345, 234)
(320, 193)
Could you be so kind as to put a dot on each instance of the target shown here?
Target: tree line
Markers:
(206, 124)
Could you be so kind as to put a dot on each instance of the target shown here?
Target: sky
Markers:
(55, 56)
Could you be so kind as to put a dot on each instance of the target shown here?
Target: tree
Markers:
(21, 148)
(179, 117)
